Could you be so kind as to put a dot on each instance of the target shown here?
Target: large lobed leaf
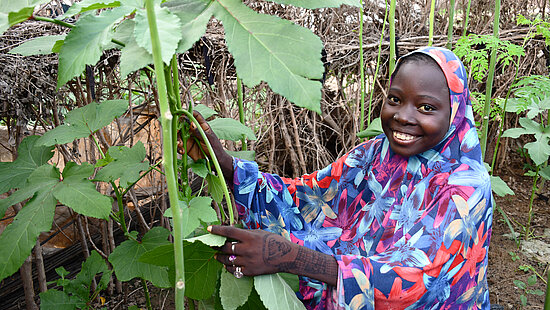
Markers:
(15, 174)
(194, 16)
(84, 44)
(18, 239)
(201, 270)
(132, 56)
(126, 165)
(230, 129)
(275, 293)
(265, 48)
(125, 258)
(82, 122)
(234, 292)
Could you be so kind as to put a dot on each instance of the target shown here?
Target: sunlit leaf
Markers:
(56, 300)
(83, 121)
(88, 5)
(194, 16)
(374, 129)
(127, 266)
(199, 209)
(126, 165)
(260, 45)
(500, 187)
(132, 56)
(209, 239)
(248, 155)
(84, 44)
(168, 26)
(234, 292)
(315, 4)
(37, 46)
(205, 111)
(275, 293)
(7, 6)
(15, 174)
(18, 239)
(539, 151)
(215, 187)
(230, 129)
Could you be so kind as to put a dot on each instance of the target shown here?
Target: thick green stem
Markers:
(466, 18)
(168, 151)
(489, 83)
(216, 165)
(241, 109)
(431, 24)
(378, 59)
(392, 36)
(146, 292)
(451, 24)
(361, 69)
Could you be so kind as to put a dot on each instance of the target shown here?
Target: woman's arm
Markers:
(260, 252)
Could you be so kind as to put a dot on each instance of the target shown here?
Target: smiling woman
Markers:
(401, 221)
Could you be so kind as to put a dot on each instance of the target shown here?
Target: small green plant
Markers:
(514, 256)
(527, 287)
(77, 293)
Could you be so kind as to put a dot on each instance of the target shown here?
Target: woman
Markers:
(401, 221)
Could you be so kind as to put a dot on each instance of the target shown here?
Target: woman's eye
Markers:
(393, 99)
(426, 108)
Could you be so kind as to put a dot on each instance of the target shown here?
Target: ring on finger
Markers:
(238, 272)
(232, 259)
(233, 247)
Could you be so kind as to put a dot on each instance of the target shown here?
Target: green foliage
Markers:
(526, 289)
(38, 46)
(541, 26)
(475, 50)
(84, 121)
(500, 187)
(43, 184)
(125, 258)
(230, 129)
(77, 293)
(124, 164)
(234, 292)
(14, 12)
(132, 56)
(374, 129)
(275, 293)
(87, 6)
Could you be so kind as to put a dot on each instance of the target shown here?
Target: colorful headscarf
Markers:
(406, 232)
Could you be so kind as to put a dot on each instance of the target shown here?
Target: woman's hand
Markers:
(195, 149)
(256, 252)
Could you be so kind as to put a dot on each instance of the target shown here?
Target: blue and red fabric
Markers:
(407, 233)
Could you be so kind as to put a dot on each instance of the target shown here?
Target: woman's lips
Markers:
(404, 138)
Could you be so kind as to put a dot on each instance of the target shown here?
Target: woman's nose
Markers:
(404, 116)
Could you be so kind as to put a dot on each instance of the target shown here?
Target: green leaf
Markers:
(7, 6)
(84, 44)
(248, 155)
(126, 166)
(215, 188)
(374, 129)
(56, 300)
(532, 280)
(194, 16)
(168, 26)
(500, 187)
(253, 302)
(82, 122)
(80, 194)
(127, 266)
(160, 256)
(260, 45)
(537, 292)
(519, 284)
(523, 300)
(80, 287)
(37, 46)
(230, 129)
(234, 292)
(514, 133)
(20, 16)
(132, 56)
(539, 150)
(30, 156)
(201, 270)
(315, 4)
(199, 168)
(88, 5)
(209, 239)
(275, 293)
(36, 216)
(4, 22)
(205, 111)
(199, 209)
(292, 280)
(545, 172)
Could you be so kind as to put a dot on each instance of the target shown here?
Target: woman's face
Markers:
(415, 116)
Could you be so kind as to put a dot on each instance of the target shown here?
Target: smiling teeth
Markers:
(402, 136)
